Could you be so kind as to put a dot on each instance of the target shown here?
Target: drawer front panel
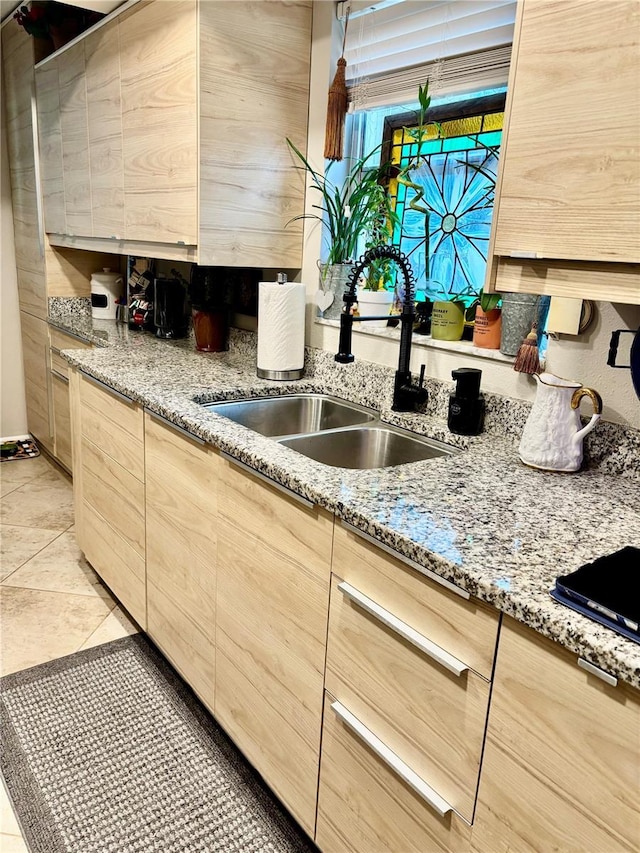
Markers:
(115, 493)
(59, 364)
(114, 426)
(181, 511)
(365, 806)
(467, 629)
(431, 718)
(61, 421)
(121, 568)
(61, 341)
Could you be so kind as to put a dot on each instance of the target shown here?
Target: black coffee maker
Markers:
(170, 316)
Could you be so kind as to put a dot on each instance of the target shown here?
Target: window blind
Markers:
(462, 46)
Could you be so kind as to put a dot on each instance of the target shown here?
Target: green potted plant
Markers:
(352, 211)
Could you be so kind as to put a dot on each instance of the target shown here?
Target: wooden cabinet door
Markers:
(104, 125)
(181, 549)
(274, 562)
(50, 147)
(249, 189)
(75, 141)
(159, 121)
(35, 356)
(570, 169)
(108, 457)
(561, 769)
(18, 83)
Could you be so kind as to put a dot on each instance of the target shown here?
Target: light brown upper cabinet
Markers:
(164, 132)
(567, 213)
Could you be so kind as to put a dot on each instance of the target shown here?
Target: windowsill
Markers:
(426, 341)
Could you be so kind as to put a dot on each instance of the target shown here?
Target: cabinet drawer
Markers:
(60, 341)
(61, 420)
(467, 629)
(59, 364)
(113, 425)
(366, 807)
(115, 493)
(433, 719)
(121, 568)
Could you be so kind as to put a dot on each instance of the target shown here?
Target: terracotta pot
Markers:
(488, 328)
(210, 329)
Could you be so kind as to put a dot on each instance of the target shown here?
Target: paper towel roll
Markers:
(281, 309)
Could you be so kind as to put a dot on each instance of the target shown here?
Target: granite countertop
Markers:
(479, 518)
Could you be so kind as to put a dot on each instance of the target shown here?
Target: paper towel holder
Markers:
(280, 375)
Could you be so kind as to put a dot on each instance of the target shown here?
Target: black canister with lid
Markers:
(466, 405)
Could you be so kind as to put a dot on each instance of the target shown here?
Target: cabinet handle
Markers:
(533, 256)
(59, 376)
(408, 561)
(431, 797)
(592, 669)
(55, 351)
(436, 653)
(108, 388)
(288, 492)
(156, 417)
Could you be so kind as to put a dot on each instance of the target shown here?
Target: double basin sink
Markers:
(329, 430)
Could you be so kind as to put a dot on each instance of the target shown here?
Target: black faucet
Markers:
(406, 395)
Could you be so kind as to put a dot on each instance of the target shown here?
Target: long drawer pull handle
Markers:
(436, 653)
(108, 388)
(175, 427)
(592, 669)
(408, 561)
(59, 376)
(288, 492)
(396, 764)
(55, 350)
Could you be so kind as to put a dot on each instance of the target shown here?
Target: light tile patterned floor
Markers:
(52, 603)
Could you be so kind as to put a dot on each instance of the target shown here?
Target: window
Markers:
(457, 179)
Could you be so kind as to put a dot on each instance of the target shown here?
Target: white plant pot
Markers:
(372, 303)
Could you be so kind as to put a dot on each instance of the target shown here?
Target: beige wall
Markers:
(583, 359)
(13, 413)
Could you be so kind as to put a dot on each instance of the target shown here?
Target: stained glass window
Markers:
(457, 173)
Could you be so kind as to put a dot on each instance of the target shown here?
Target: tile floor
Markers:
(52, 603)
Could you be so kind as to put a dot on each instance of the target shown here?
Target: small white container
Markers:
(106, 289)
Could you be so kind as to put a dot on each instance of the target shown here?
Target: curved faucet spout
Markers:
(406, 395)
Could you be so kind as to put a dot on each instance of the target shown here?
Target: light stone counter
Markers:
(479, 518)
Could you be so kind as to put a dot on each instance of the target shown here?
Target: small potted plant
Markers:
(351, 211)
(378, 286)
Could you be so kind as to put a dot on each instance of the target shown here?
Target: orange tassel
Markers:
(528, 358)
(336, 111)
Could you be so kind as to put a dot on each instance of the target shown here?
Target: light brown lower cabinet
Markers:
(562, 763)
(60, 408)
(35, 347)
(109, 497)
(365, 806)
(274, 563)
(181, 515)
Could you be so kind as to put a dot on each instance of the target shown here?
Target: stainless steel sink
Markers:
(293, 414)
(367, 447)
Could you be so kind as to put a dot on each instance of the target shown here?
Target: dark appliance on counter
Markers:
(170, 315)
(466, 403)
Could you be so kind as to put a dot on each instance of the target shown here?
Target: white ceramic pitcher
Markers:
(552, 436)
